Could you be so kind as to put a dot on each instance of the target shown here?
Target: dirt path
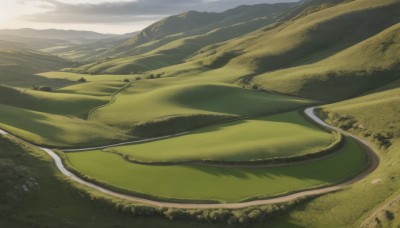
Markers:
(280, 199)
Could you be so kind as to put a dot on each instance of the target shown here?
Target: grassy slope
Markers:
(154, 99)
(366, 65)
(306, 39)
(233, 184)
(176, 38)
(375, 114)
(76, 100)
(55, 130)
(55, 205)
(76, 105)
(36, 60)
(8, 92)
(18, 68)
(275, 136)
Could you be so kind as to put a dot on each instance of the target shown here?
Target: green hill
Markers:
(145, 104)
(18, 68)
(8, 92)
(306, 39)
(183, 35)
(364, 66)
(56, 130)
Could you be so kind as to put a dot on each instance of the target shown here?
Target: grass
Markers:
(54, 204)
(364, 66)
(174, 39)
(56, 130)
(198, 182)
(147, 101)
(7, 92)
(76, 105)
(268, 137)
(371, 116)
(18, 68)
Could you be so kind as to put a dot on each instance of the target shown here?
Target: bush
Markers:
(126, 80)
(45, 89)
(82, 80)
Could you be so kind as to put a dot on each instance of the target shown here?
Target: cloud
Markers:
(117, 11)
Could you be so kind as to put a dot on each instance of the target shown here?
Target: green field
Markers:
(197, 182)
(55, 203)
(246, 140)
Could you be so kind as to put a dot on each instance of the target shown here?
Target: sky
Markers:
(105, 16)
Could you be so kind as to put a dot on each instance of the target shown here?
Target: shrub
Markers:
(45, 88)
(82, 80)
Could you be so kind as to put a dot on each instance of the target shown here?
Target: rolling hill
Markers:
(18, 68)
(366, 65)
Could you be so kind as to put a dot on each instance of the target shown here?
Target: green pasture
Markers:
(218, 183)
(245, 140)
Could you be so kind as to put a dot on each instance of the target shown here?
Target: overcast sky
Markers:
(106, 16)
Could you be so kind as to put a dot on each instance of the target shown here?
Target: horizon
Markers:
(104, 16)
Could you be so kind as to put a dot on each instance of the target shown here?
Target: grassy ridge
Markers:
(55, 130)
(8, 92)
(366, 65)
(199, 182)
(269, 137)
(76, 105)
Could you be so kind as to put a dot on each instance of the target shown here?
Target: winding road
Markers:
(280, 199)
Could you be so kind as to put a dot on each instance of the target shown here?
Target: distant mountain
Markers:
(173, 39)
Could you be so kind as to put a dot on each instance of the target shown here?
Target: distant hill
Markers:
(18, 68)
(11, 45)
(56, 34)
(183, 35)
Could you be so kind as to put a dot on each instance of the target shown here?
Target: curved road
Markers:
(280, 199)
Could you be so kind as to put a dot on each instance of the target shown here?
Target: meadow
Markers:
(276, 136)
(198, 182)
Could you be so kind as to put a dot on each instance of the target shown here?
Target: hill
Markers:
(183, 35)
(55, 34)
(18, 68)
(366, 65)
